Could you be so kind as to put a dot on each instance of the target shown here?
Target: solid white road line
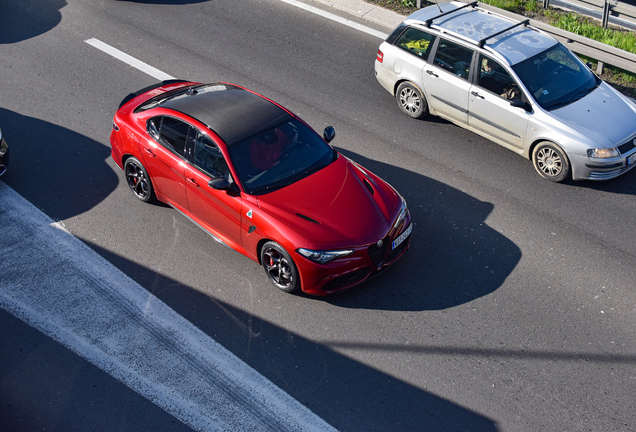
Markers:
(57, 284)
(120, 55)
(337, 18)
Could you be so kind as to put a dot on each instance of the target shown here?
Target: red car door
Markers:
(163, 156)
(219, 211)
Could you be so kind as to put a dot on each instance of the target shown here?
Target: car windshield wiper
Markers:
(271, 187)
(583, 93)
(558, 104)
(578, 95)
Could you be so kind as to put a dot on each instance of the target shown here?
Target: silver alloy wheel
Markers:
(410, 100)
(549, 161)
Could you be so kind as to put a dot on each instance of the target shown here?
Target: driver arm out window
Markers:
(494, 78)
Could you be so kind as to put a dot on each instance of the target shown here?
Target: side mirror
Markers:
(219, 183)
(329, 134)
(518, 103)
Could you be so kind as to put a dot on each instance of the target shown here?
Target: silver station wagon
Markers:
(513, 84)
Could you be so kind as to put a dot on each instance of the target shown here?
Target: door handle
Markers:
(150, 152)
(474, 93)
(430, 72)
(193, 181)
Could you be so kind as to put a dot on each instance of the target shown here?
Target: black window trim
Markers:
(165, 144)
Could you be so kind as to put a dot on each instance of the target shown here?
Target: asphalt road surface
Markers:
(513, 311)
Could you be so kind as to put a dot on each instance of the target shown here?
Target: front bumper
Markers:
(367, 261)
(584, 168)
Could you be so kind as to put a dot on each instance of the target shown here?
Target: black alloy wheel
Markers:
(138, 180)
(279, 267)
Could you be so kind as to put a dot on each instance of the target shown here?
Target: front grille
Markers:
(626, 147)
(377, 254)
(395, 252)
(346, 280)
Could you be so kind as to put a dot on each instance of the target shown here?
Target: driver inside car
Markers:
(267, 148)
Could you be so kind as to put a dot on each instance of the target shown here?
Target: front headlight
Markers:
(603, 153)
(323, 257)
(403, 212)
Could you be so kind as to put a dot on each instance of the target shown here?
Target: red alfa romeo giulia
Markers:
(261, 181)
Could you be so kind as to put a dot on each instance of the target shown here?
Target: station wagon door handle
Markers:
(430, 72)
(150, 152)
(193, 181)
(474, 93)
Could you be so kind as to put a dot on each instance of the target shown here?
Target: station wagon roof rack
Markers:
(428, 22)
(482, 41)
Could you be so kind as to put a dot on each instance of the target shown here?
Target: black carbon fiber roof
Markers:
(233, 113)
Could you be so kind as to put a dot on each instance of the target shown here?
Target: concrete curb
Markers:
(371, 12)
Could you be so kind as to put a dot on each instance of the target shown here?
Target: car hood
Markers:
(333, 205)
(602, 115)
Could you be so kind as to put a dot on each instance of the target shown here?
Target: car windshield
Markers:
(279, 156)
(556, 77)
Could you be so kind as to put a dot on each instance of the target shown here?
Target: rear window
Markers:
(416, 42)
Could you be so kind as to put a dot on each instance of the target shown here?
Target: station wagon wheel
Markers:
(138, 180)
(411, 100)
(279, 267)
(551, 162)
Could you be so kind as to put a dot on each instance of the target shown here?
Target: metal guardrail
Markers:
(605, 9)
(587, 47)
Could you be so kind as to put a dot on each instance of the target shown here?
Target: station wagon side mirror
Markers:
(519, 103)
(219, 183)
(329, 133)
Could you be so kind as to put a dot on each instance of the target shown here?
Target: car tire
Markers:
(551, 162)
(411, 100)
(138, 180)
(279, 267)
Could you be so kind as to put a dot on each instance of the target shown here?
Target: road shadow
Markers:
(347, 394)
(623, 185)
(45, 386)
(455, 257)
(60, 171)
(23, 19)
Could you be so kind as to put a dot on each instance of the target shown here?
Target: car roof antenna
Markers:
(438, 6)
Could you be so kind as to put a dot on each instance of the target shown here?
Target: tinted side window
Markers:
(209, 159)
(493, 77)
(174, 133)
(416, 42)
(454, 58)
(154, 124)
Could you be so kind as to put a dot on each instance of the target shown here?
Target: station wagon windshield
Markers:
(556, 78)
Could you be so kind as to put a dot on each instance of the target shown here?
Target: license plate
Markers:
(398, 241)
(631, 159)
